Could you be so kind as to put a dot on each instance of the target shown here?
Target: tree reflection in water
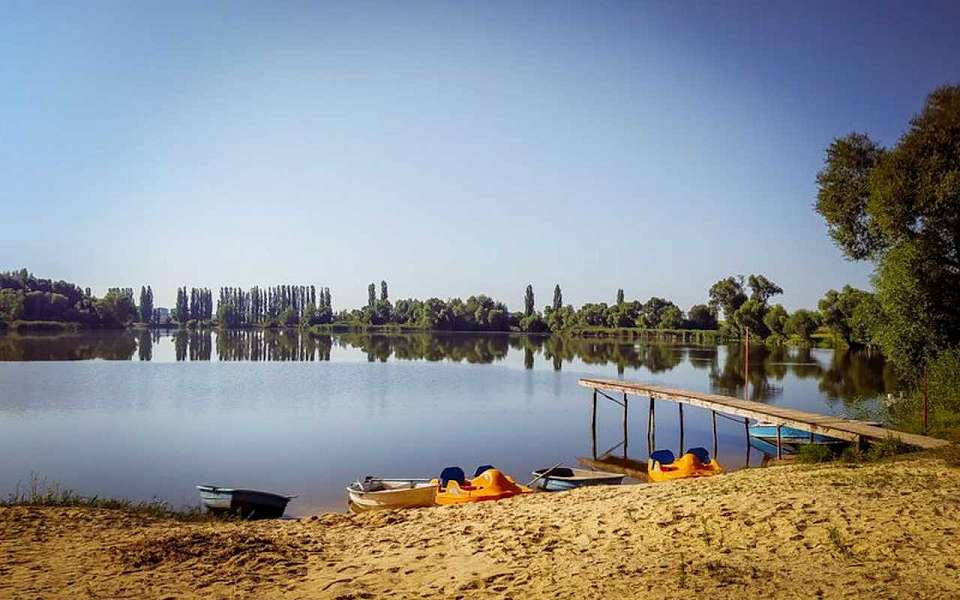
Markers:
(842, 376)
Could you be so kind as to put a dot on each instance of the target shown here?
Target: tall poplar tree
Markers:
(528, 305)
(557, 298)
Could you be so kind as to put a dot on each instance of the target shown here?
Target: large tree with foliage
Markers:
(727, 296)
(900, 207)
(528, 303)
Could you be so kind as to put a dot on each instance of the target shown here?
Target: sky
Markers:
(450, 148)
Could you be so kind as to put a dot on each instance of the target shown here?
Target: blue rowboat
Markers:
(788, 435)
(559, 479)
(247, 504)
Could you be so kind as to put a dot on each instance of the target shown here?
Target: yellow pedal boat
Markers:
(696, 462)
(488, 483)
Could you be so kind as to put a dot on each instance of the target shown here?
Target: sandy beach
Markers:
(876, 530)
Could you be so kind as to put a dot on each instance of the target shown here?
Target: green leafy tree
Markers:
(117, 307)
(750, 316)
(620, 296)
(671, 317)
(11, 304)
(802, 324)
(727, 296)
(371, 296)
(557, 298)
(900, 207)
(528, 303)
(762, 289)
(701, 316)
(775, 319)
(837, 310)
(383, 291)
(146, 305)
(183, 308)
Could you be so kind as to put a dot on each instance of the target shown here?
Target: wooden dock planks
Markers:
(844, 429)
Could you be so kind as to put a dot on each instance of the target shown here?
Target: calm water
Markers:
(144, 415)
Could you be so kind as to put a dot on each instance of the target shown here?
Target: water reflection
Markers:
(839, 375)
(86, 346)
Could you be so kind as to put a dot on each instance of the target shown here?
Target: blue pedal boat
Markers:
(247, 504)
(559, 479)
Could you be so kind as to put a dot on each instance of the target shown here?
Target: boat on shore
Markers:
(247, 504)
(695, 462)
(488, 483)
(567, 478)
(375, 493)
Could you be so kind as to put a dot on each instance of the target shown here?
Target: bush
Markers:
(943, 392)
(814, 453)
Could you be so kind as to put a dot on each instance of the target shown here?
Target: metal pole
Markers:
(594, 423)
(624, 424)
(653, 424)
(746, 366)
(779, 444)
(714, 413)
(746, 428)
(680, 405)
(926, 405)
(650, 428)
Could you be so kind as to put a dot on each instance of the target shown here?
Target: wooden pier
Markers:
(844, 429)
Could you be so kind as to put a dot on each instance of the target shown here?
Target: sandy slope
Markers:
(882, 530)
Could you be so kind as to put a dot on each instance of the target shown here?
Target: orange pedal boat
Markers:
(488, 483)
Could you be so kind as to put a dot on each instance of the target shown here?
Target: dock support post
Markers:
(625, 425)
(651, 428)
(779, 444)
(680, 404)
(714, 414)
(593, 427)
(746, 428)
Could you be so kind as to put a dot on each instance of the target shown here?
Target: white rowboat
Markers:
(386, 494)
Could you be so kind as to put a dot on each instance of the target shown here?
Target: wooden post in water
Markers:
(746, 428)
(624, 425)
(680, 405)
(779, 444)
(593, 428)
(714, 414)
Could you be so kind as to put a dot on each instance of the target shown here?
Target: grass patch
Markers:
(40, 492)
(814, 453)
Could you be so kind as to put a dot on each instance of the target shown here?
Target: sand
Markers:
(879, 530)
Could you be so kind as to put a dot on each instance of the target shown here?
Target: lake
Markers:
(147, 415)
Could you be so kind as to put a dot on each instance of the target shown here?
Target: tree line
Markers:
(24, 297)
(742, 302)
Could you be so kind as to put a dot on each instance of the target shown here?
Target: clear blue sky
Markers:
(450, 148)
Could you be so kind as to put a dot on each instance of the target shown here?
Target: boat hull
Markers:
(247, 504)
(393, 495)
(685, 467)
(488, 486)
(789, 435)
(565, 478)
